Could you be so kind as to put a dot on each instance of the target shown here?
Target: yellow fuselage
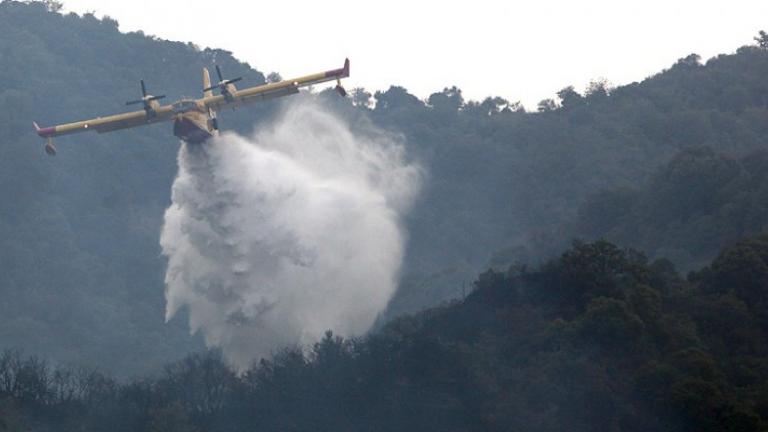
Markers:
(191, 123)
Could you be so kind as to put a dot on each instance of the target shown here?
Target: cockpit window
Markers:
(184, 106)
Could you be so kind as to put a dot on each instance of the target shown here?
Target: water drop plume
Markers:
(274, 239)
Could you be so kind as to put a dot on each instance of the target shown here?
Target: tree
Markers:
(396, 97)
(691, 60)
(546, 105)
(598, 89)
(762, 39)
(516, 106)
(491, 106)
(53, 5)
(202, 382)
(448, 100)
(611, 323)
(361, 97)
(274, 77)
(494, 105)
(743, 268)
(570, 98)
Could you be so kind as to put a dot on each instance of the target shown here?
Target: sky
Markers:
(520, 50)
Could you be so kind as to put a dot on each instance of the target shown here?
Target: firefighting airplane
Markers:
(194, 120)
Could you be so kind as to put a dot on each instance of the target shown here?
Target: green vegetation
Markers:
(502, 179)
(598, 339)
(80, 268)
(689, 208)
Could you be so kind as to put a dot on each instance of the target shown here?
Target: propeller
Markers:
(146, 99)
(222, 85)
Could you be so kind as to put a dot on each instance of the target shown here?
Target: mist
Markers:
(274, 239)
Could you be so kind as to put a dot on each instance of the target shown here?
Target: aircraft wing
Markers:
(109, 123)
(275, 90)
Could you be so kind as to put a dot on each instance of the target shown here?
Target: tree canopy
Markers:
(599, 338)
(81, 272)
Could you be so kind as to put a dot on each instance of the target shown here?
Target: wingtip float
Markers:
(194, 120)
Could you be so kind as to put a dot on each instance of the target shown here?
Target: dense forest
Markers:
(82, 277)
(506, 185)
(685, 212)
(597, 337)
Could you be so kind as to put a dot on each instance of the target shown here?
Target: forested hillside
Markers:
(687, 210)
(598, 339)
(80, 268)
(504, 180)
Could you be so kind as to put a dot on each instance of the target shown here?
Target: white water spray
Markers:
(274, 240)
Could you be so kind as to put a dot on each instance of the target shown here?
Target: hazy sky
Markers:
(520, 50)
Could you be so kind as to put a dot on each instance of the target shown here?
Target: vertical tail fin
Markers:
(213, 124)
(207, 92)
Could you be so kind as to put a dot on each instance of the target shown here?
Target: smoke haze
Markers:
(273, 240)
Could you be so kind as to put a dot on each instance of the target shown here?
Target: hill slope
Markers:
(80, 270)
(499, 178)
(598, 339)
(691, 206)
